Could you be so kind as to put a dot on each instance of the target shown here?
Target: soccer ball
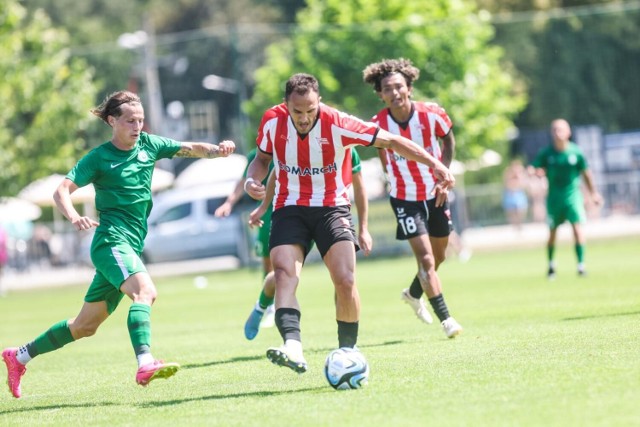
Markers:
(346, 368)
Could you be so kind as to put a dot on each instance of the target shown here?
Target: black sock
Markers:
(288, 323)
(415, 290)
(439, 307)
(347, 334)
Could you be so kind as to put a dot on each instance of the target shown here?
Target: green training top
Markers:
(563, 169)
(356, 166)
(122, 181)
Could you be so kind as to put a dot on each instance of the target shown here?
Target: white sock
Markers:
(23, 355)
(145, 359)
(294, 345)
(258, 308)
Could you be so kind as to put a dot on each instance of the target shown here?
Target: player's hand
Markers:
(223, 210)
(365, 241)
(597, 199)
(256, 214)
(444, 176)
(441, 194)
(225, 148)
(255, 189)
(84, 223)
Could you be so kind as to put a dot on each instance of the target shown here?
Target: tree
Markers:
(45, 99)
(336, 39)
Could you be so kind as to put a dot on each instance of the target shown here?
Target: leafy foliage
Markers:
(450, 44)
(45, 97)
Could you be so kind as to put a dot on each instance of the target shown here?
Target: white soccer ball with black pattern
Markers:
(346, 368)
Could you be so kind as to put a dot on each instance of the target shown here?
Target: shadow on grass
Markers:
(595, 316)
(156, 404)
(262, 355)
(58, 406)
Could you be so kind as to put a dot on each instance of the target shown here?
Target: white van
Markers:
(182, 225)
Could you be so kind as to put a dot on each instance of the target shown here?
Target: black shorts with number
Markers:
(303, 225)
(418, 218)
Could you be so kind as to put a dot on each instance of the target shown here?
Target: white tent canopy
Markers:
(17, 210)
(41, 191)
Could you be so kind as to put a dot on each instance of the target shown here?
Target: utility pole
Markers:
(154, 90)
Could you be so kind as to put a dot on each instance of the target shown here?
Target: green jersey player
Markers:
(564, 164)
(120, 170)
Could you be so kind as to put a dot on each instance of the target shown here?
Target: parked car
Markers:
(182, 226)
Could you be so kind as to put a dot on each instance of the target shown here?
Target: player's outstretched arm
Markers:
(411, 151)
(62, 198)
(204, 150)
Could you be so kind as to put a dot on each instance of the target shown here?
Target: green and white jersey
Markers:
(563, 169)
(122, 181)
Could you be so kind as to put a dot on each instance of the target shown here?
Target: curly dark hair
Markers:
(112, 103)
(301, 83)
(374, 73)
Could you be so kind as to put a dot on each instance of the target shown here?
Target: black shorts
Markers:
(303, 225)
(418, 218)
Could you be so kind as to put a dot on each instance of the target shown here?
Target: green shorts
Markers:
(115, 263)
(557, 213)
(262, 241)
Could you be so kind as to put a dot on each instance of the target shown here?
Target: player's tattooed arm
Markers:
(205, 150)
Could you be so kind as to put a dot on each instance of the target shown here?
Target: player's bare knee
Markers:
(83, 330)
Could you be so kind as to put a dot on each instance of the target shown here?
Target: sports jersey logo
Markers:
(297, 170)
(323, 141)
(573, 159)
(115, 165)
(143, 156)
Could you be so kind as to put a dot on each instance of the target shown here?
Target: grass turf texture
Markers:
(561, 353)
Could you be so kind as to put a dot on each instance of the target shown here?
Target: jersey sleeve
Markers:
(354, 130)
(443, 124)
(84, 172)
(165, 148)
(267, 130)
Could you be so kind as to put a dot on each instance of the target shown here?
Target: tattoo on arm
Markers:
(198, 150)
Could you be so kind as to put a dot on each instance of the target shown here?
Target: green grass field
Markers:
(533, 353)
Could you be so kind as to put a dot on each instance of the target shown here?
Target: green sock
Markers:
(550, 253)
(139, 325)
(54, 338)
(265, 301)
(580, 253)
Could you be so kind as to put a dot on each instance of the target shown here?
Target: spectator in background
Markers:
(514, 197)
(564, 163)
(537, 187)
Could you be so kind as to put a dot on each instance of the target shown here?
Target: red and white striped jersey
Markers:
(313, 170)
(410, 180)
